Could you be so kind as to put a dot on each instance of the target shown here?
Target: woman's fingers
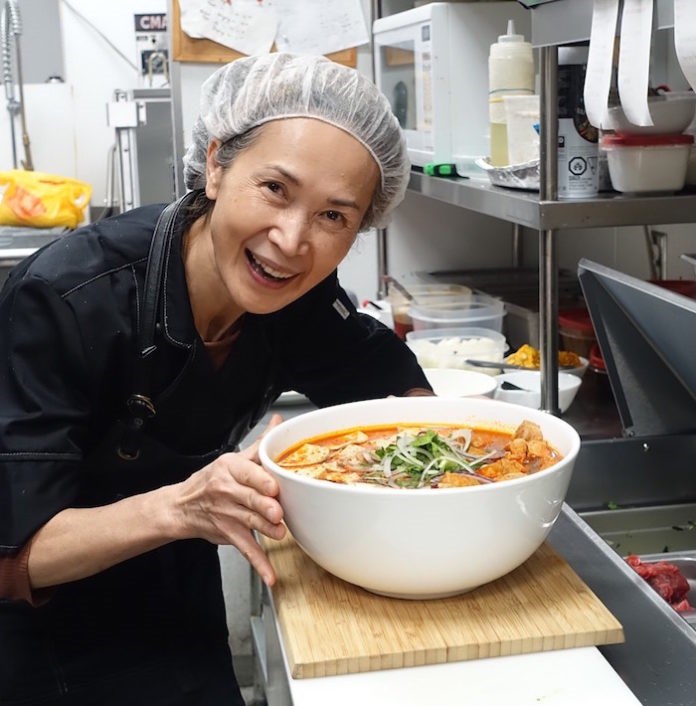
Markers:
(249, 548)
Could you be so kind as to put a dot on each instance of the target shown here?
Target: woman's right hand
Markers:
(229, 499)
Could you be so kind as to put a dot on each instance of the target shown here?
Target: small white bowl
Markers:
(453, 382)
(530, 393)
(578, 370)
(671, 114)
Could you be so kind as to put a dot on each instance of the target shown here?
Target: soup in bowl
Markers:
(421, 497)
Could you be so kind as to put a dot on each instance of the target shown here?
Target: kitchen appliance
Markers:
(142, 120)
(428, 63)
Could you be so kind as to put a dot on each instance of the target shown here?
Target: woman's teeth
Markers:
(267, 271)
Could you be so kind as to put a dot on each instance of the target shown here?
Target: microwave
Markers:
(432, 64)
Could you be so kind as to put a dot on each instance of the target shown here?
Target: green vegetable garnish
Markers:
(413, 461)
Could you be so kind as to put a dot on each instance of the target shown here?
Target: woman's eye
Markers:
(335, 216)
(274, 186)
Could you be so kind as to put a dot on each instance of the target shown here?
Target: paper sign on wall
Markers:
(301, 26)
(244, 25)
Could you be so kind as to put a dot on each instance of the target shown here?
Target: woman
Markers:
(137, 352)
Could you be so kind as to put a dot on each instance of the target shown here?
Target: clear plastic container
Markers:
(423, 294)
(450, 347)
(478, 310)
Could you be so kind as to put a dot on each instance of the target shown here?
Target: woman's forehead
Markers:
(306, 147)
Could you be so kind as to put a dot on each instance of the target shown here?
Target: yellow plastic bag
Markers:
(39, 200)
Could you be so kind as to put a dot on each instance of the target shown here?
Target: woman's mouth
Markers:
(265, 270)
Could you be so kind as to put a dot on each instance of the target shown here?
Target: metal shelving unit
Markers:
(526, 209)
(553, 24)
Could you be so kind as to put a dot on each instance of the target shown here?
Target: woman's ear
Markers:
(213, 171)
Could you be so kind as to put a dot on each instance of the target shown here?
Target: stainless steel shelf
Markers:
(525, 208)
(570, 21)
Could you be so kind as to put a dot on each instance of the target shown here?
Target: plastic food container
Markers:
(476, 310)
(647, 163)
(423, 294)
(449, 348)
(576, 331)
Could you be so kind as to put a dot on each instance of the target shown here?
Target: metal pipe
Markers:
(28, 162)
(382, 263)
(382, 249)
(10, 27)
(517, 245)
(10, 31)
(548, 265)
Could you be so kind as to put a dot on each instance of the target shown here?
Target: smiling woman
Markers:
(158, 339)
(304, 219)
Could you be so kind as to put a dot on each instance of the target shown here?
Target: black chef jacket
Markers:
(69, 317)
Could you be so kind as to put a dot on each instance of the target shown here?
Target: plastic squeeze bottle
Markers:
(510, 72)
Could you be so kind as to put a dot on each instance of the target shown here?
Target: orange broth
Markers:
(451, 459)
(481, 437)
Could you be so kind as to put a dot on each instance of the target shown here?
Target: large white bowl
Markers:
(421, 543)
(530, 393)
(453, 382)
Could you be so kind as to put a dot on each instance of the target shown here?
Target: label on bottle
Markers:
(578, 168)
(578, 153)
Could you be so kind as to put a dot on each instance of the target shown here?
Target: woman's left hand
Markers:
(229, 499)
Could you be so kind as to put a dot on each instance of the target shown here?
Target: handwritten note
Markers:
(300, 26)
(634, 60)
(320, 27)
(246, 26)
(599, 60)
(685, 38)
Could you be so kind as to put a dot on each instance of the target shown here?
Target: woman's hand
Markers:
(222, 503)
(228, 499)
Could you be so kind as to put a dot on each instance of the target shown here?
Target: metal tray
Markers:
(514, 176)
(667, 530)
(665, 533)
(686, 562)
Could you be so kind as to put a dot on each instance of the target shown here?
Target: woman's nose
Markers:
(290, 233)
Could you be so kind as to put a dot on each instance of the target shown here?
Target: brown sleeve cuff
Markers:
(14, 579)
(419, 392)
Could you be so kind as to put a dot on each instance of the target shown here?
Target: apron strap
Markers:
(140, 404)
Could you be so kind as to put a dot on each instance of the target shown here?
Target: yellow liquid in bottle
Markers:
(499, 144)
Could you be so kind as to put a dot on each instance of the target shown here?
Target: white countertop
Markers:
(571, 677)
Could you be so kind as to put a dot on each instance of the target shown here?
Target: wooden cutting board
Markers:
(332, 627)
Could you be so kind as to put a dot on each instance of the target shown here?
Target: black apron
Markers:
(150, 630)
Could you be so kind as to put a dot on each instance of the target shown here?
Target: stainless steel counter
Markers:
(657, 660)
(16, 243)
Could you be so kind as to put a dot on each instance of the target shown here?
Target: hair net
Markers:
(255, 90)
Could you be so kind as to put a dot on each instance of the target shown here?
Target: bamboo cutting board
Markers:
(332, 627)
